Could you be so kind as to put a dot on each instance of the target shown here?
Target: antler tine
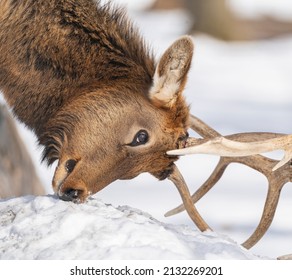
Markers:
(277, 180)
(285, 257)
(208, 185)
(267, 217)
(181, 186)
(202, 128)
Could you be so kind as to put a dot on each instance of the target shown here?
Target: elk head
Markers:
(110, 133)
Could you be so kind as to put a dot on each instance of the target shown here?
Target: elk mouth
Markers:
(183, 141)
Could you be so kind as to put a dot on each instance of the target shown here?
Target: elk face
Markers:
(129, 133)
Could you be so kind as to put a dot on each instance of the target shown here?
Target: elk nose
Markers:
(73, 190)
(70, 195)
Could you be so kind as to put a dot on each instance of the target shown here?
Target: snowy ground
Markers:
(48, 228)
(232, 87)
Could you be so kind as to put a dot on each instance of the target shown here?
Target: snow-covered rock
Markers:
(45, 227)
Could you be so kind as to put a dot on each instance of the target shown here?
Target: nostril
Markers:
(70, 195)
(73, 190)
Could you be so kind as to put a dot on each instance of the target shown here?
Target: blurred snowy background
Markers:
(234, 86)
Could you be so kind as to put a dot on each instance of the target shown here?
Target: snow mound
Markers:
(45, 227)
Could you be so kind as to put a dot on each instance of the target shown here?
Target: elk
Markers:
(80, 76)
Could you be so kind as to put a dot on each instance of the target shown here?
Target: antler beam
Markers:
(241, 148)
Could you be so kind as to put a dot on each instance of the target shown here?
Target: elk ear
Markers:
(171, 73)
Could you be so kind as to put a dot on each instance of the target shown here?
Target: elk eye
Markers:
(140, 138)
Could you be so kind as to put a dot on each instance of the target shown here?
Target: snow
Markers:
(233, 87)
(45, 227)
(253, 9)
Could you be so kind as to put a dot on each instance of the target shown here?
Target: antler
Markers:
(181, 186)
(231, 150)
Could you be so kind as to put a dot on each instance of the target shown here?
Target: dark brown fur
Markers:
(79, 75)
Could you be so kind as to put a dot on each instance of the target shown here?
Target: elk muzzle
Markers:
(64, 187)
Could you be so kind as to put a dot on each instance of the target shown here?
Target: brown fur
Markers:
(79, 75)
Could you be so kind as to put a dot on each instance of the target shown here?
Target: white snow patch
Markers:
(45, 227)
(254, 9)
